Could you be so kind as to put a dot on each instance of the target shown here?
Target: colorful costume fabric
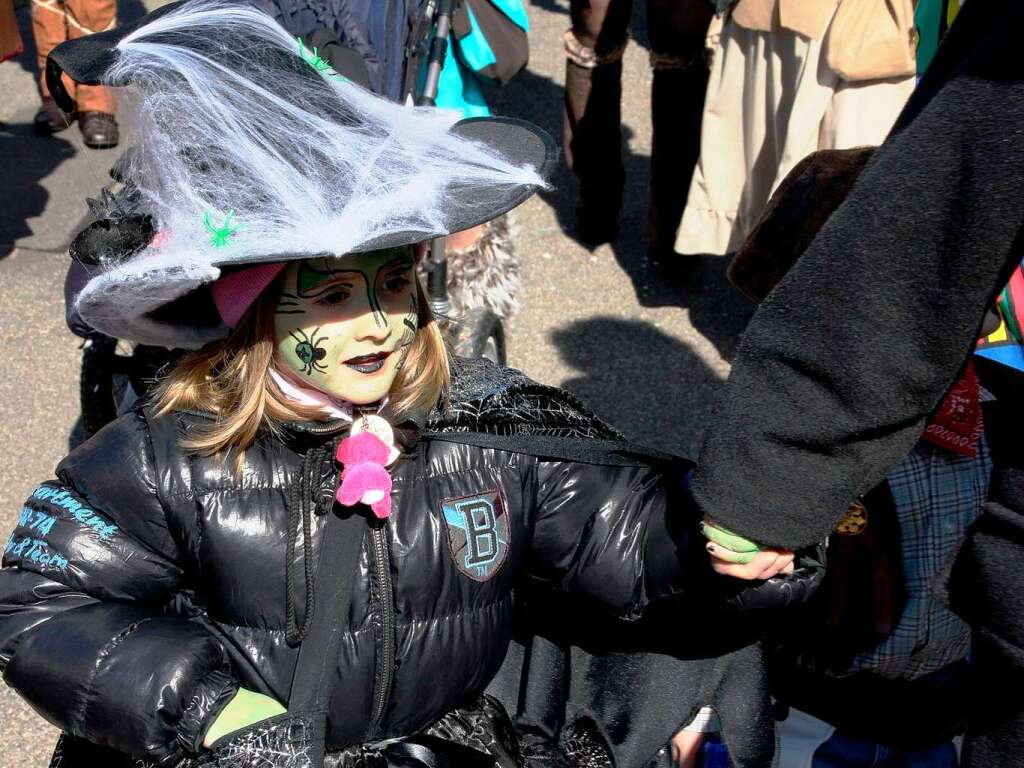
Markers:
(1005, 345)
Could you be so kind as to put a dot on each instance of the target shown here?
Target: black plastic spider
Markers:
(309, 351)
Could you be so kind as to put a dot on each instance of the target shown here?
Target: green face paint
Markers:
(344, 326)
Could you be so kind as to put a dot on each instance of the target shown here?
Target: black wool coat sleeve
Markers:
(846, 358)
(86, 576)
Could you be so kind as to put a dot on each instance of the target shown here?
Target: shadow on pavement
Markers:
(20, 189)
(631, 370)
(27, 58)
(552, 6)
(717, 310)
(38, 157)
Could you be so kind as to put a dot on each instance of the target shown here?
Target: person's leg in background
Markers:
(49, 28)
(592, 119)
(10, 38)
(807, 742)
(677, 31)
(97, 105)
(845, 752)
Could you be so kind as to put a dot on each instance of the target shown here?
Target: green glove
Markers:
(245, 708)
(744, 549)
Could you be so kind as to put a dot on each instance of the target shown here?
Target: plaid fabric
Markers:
(937, 495)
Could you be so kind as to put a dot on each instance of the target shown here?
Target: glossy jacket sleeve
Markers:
(624, 536)
(619, 535)
(86, 576)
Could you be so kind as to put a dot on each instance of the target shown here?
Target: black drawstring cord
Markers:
(302, 489)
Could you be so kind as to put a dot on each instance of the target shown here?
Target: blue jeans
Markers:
(843, 752)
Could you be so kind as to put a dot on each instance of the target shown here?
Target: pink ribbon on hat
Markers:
(234, 292)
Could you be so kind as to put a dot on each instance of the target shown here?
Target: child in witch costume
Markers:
(303, 550)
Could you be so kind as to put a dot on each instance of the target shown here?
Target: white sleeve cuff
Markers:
(705, 721)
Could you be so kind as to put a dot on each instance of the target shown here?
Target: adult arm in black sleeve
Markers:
(84, 635)
(851, 352)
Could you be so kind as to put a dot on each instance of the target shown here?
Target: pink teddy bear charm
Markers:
(365, 457)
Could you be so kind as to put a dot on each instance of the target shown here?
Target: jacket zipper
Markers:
(385, 660)
(325, 429)
(309, 427)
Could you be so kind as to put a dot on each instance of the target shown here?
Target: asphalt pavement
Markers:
(646, 354)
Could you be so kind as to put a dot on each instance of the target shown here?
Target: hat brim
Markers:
(87, 59)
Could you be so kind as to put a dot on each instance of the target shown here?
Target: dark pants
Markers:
(676, 29)
(843, 752)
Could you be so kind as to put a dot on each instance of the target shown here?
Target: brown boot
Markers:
(50, 118)
(99, 129)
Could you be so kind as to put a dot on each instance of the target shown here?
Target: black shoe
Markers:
(50, 119)
(99, 129)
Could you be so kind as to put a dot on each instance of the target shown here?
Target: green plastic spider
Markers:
(311, 57)
(220, 236)
(318, 62)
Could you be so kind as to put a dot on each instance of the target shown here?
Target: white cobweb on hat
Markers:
(251, 149)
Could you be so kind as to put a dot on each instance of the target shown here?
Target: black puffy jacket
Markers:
(144, 585)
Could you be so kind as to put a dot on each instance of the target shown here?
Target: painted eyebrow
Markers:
(405, 260)
(337, 278)
(332, 282)
(341, 274)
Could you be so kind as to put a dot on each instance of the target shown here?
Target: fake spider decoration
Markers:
(314, 59)
(309, 351)
(220, 236)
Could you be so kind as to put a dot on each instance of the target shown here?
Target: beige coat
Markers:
(870, 39)
(773, 98)
(809, 18)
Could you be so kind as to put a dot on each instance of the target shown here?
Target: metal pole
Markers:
(437, 274)
(437, 277)
(438, 51)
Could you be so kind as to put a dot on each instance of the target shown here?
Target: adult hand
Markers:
(245, 708)
(685, 748)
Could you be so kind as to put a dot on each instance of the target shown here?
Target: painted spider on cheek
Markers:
(309, 351)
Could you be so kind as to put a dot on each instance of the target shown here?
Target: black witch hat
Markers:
(253, 149)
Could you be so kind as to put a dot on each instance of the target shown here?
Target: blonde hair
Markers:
(231, 380)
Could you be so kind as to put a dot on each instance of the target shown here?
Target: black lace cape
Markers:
(573, 675)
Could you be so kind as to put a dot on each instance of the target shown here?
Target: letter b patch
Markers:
(478, 533)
